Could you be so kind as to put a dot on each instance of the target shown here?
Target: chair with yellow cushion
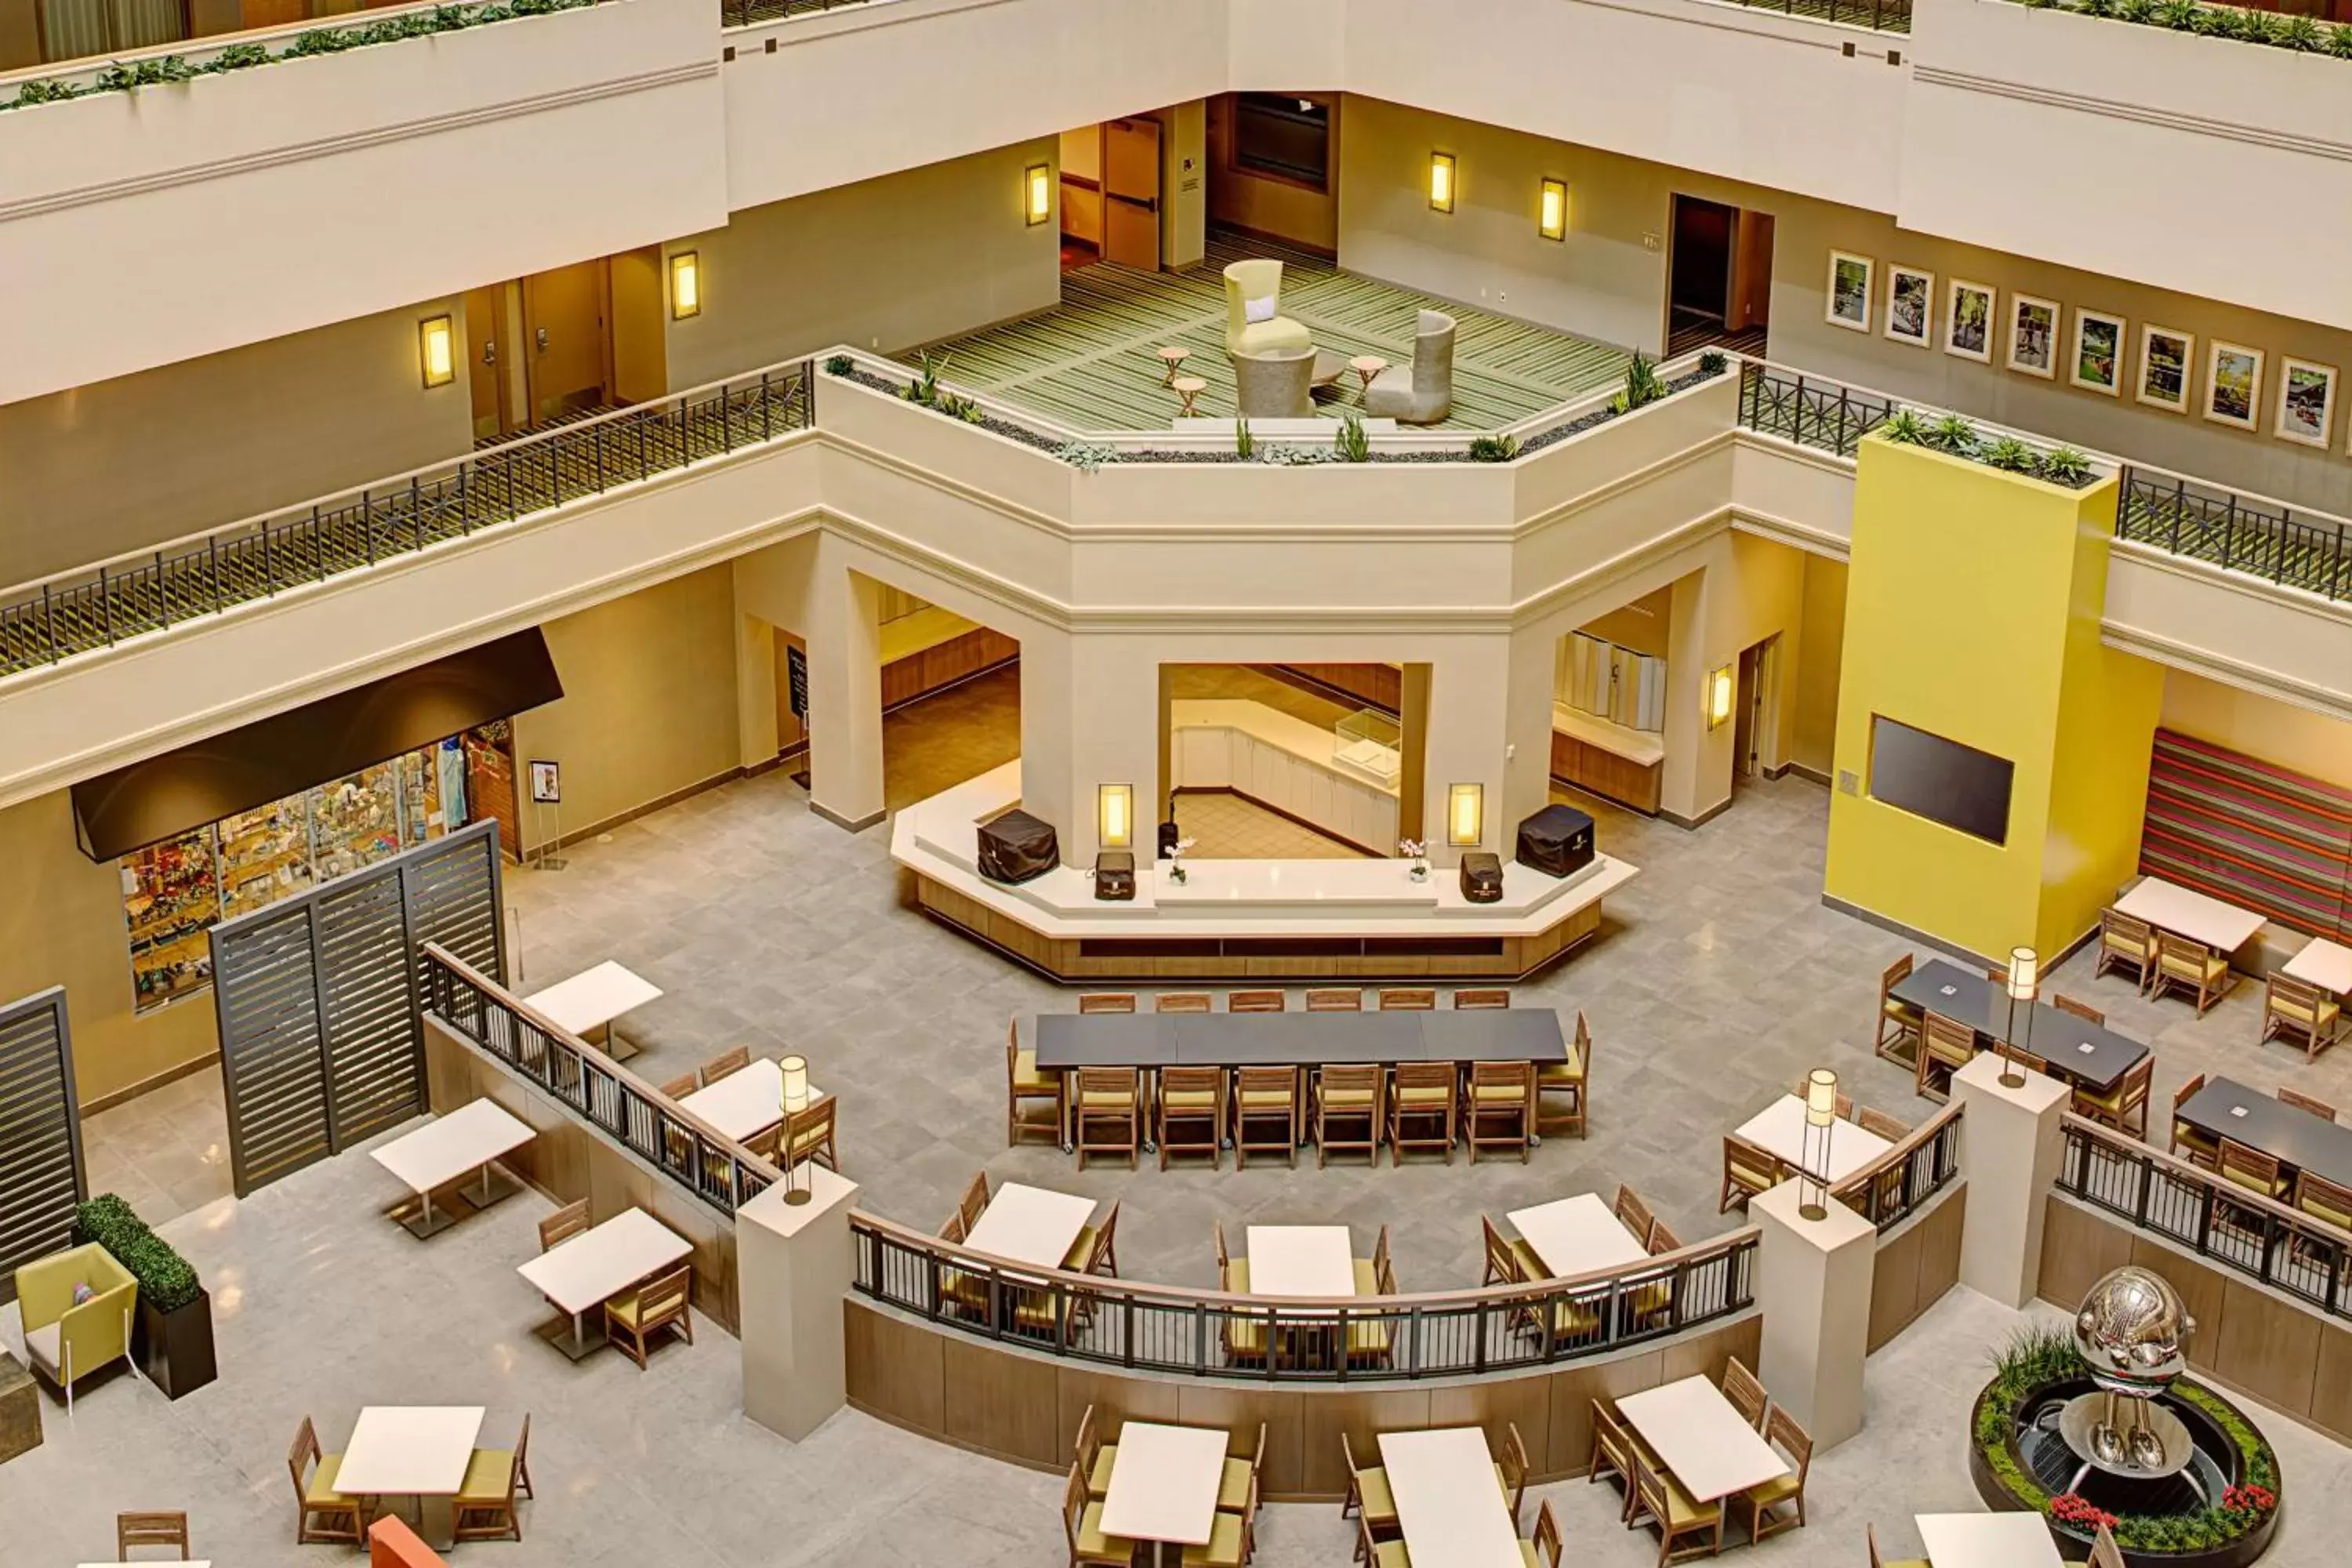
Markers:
(2251, 1169)
(1189, 1114)
(1946, 1047)
(1348, 1111)
(1107, 1002)
(1749, 1170)
(1370, 1339)
(1266, 1113)
(1239, 1484)
(1542, 1549)
(1745, 1392)
(1408, 998)
(1767, 1504)
(321, 1512)
(1335, 999)
(1497, 1107)
(1025, 1087)
(1616, 1449)
(2296, 1007)
(1897, 1020)
(1565, 1082)
(1110, 1114)
(163, 1532)
(975, 1202)
(1368, 1497)
(1244, 1336)
(485, 1507)
(1661, 1499)
(1870, 1534)
(633, 1317)
(1374, 1553)
(1482, 997)
(1096, 1251)
(1094, 1456)
(1511, 1472)
(67, 1340)
(1254, 324)
(1182, 1002)
(2302, 1101)
(1420, 1097)
(2105, 1552)
(810, 1135)
(1090, 1547)
(2125, 941)
(2192, 966)
(1510, 1262)
(1229, 1544)
(2190, 1143)
(2327, 1201)
(2124, 1106)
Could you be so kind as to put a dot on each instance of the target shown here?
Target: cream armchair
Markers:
(68, 1341)
(1423, 394)
(1255, 287)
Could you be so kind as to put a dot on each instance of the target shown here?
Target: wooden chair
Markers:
(1614, 1450)
(1231, 1542)
(1844, 1107)
(1508, 1262)
(1661, 1240)
(2105, 1553)
(1632, 1212)
(1189, 1114)
(2318, 1107)
(1996, 975)
(1546, 1540)
(1256, 1001)
(1245, 1337)
(1239, 1483)
(1422, 1093)
(2082, 1010)
(1082, 1527)
(1107, 1002)
(1567, 1078)
(1408, 998)
(1368, 1496)
(2192, 966)
(1024, 1087)
(1511, 1472)
(1766, 1502)
(975, 1202)
(486, 1508)
(1182, 1002)
(1094, 1456)
(1347, 1100)
(562, 1225)
(164, 1530)
(2124, 1106)
(1946, 1047)
(1749, 1169)
(680, 1087)
(1499, 1107)
(810, 1134)
(1335, 999)
(1096, 1251)
(1376, 1275)
(725, 1062)
(2250, 1169)
(633, 1317)
(1745, 1392)
(1893, 1129)
(1481, 996)
(1658, 1496)
(1897, 1020)
(1374, 1553)
(2196, 1148)
(767, 1143)
(2126, 942)
(2293, 1007)
(953, 1230)
(321, 1512)
(1265, 1097)
(1109, 1115)
(1870, 1534)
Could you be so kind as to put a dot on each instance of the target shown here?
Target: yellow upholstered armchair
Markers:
(1252, 298)
(69, 1339)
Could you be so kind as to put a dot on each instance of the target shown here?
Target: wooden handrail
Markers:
(1918, 1137)
(2198, 1176)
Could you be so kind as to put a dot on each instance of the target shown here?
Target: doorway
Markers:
(1719, 276)
(1130, 193)
(486, 360)
(1752, 720)
(568, 355)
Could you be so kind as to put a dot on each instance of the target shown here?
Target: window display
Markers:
(171, 895)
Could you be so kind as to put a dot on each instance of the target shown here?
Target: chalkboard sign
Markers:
(796, 675)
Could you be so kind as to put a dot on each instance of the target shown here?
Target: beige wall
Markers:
(2291, 737)
(1283, 209)
(1639, 626)
(133, 462)
(886, 264)
(648, 704)
(1821, 645)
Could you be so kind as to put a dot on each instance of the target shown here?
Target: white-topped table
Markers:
(1300, 1260)
(1987, 1540)
(1163, 1486)
(749, 1100)
(2323, 963)
(1578, 1235)
(1712, 1449)
(444, 1149)
(410, 1450)
(599, 1263)
(1030, 1225)
(591, 999)
(191, 1563)
(1780, 1129)
(1449, 1501)
(2184, 911)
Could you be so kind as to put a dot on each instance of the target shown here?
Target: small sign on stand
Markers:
(547, 800)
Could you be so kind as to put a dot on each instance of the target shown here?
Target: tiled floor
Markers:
(1229, 826)
(165, 1152)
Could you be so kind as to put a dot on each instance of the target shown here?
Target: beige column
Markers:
(1526, 744)
(1813, 1282)
(755, 691)
(845, 694)
(1063, 700)
(2012, 1143)
(1684, 782)
(792, 1266)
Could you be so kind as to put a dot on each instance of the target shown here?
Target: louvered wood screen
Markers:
(40, 1133)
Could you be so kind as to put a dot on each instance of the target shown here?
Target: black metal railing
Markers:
(102, 605)
(2213, 1218)
(1878, 15)
(599, 1090)
(1893, 1187)
(1809, 410)
(2238, 533)
(743, 13)
(1096, 1317)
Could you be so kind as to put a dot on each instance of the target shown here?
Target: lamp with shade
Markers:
(1820, 1121)
(2024, 985)
(793, 1070)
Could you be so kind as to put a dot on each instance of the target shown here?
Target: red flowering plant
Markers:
(2249, 1501)
(2072, 1508)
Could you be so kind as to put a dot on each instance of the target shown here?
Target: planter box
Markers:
(174, 1349)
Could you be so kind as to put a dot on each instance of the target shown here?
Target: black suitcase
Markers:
(1016, 846)
(1557, 841)
(1482, 877)
(1114, 875)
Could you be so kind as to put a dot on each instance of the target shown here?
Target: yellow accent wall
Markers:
(1972, 612)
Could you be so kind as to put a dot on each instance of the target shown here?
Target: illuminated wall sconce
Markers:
(1115, 814)
(436, 349)
(1718, 697)
(1440, 181)
(1466, 814)
(1037, 194)
(685, 284)
(1551, 212)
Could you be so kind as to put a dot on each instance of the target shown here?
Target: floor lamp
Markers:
(794, 1071)
(1820, 1119)
(2024, 985)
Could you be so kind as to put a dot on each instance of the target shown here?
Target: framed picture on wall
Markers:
(1968, 320)
(2307, 406)
(2164, 356)
(2097, 361)
(1849, 293)
(2233, 384)
(2033, 335)
(1910, 304)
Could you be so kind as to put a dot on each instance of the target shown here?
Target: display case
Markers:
(265, 856)
(420, 797)
(355, 821)
(170, 896)
(1369, 742)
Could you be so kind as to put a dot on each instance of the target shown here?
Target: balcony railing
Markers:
(1878, 15)
(2236, 532)
(44, 623)
(1895, 1186)
(743, 13)
(1810, 410)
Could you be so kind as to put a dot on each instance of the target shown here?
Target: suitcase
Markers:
(1114, 875)
(1016, 846)
(1482, 877)
(1557, 841)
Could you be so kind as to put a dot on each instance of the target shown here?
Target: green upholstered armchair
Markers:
(1252, 295)
(68, 1341)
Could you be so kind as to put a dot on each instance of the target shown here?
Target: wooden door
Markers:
(1752, 274)
(490, 788)
(486, 354)
(1130, 167)
(566, 346)
(252, 14)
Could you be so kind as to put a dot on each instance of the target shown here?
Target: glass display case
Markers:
(170, 896)
(1369, 742)
(355, 821)
(265, 856)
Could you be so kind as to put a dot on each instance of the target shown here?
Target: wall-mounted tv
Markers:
(1940, 780)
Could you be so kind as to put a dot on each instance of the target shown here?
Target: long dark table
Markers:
(2078, 1050)
(2295, 1137)
(1301, 1039)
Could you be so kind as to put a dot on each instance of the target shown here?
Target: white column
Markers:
(1813, 1283)
(845, 694)
(2011, 1142)
(792, 1266)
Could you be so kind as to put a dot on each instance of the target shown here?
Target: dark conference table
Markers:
(2076, 1049)
(2294, 1136)
(1295, 1040)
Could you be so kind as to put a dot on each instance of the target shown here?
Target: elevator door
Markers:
(1131, 194)
(564, 328)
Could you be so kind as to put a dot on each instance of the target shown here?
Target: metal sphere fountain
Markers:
(2129, 1330)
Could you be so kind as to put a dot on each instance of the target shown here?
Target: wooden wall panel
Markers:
(1521, 1402)
(1117, 1399)
(1001, 1403)
(2202, 1292)
(1568, 1448)
(2331, 1389)
(1917, 1262)
(2077, 1247)
(1939, 1247)
(894, 1366)
(1361, 1414)
(1239, 1409)
(2267, 1348)
(1894, 1284)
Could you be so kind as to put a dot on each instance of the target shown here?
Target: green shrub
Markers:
(2140, 11)
(2065, 466)
(2181, 16)
(1908, 429)
(46, 91)
(1642, 385)
(166, 1282)
(2011, 454)
(1955, 435)
(2095, 7)
(1494, 448)
(1244, 444)
(235, 58)
(2300, 34)
(2339, 40)
(1350, 443)
(839, 364)
(1712, 362)
(1087, 458)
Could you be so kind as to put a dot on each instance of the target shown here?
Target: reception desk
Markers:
(1609, 759)
(1241, 919)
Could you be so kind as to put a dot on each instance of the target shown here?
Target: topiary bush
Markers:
(166, 1282)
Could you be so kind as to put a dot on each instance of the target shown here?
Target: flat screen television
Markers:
(1940, 780)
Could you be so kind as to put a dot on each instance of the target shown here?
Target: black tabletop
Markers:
(2076, 1049)
(2294, 1136)
(1241, 1040)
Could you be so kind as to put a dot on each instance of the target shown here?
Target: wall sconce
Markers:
(1115, 815)
(685, 284)
(1037, 194)
(1820, 1121)
(1466, 814)
(436, 349)
(2024, 985)
(1440, 181)
(794, 1070)
(1552, 211)
(1719, 689)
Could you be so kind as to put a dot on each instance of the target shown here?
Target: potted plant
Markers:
(1414, 849)
(1176, 872)
(171, 1337)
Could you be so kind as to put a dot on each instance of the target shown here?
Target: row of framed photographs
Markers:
(2094, 361)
